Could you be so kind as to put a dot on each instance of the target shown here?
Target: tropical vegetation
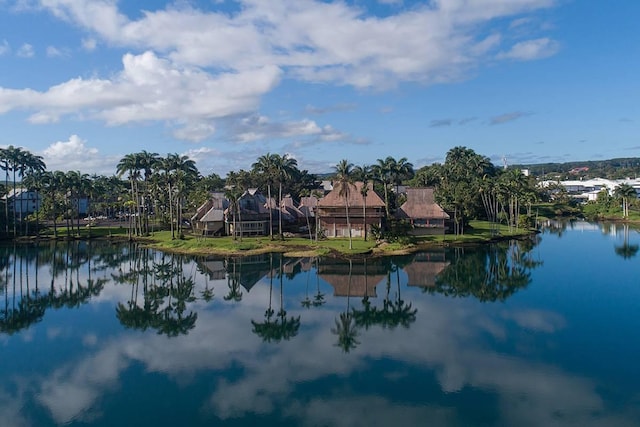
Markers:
(149, 192)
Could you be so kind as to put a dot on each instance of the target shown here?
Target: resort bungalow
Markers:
(364, 212)
(209, 218)
(422, 212)
(308, 206)
(252, 218)
(292, 217)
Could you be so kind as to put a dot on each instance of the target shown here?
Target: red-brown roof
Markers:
(421, 204)
(334, 199)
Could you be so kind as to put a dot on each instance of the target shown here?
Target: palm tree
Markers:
(344, 178)
(12, 158)
(18, 161)
(34, 180)
(26, 163)
(179, 172)
(236, 184)
(363, 173)
(4, 165)
(400, 171)
(148, 162)
(286, 167)
(129, 164)
(31, 171)
(266, 166)
(50, 186)
(627, 193)
(382, 173)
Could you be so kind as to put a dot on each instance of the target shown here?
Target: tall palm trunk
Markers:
(235, 230)
(280, 212)
(240, 219)
(173, 234)
(364, 216)
(15, 233)
(6, 203)
(270, 212)
(346, 206)
(386, 200)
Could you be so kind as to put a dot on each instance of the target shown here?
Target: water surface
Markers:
(541, 332)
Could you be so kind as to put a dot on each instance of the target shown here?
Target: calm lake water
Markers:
(538, 333)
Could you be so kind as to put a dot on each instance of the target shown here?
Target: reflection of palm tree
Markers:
(135, 317)
(347, 331)
(306, 302)
(207, 293)
(492, 273)
(283, 327)
(366, 317)
(627, 250)
(165, 301)
(318, 298)
(235, 294)
(346, 327)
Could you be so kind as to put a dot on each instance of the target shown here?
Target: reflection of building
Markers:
(248, 270)
(214, 269)
(424, 269)
(354, 279)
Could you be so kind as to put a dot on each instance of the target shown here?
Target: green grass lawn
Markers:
(479, 231)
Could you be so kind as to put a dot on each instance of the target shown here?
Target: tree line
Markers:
(148, 190)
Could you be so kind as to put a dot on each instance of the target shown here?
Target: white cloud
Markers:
(74, 154)
(149, 88)
(531, 49)
(190, 68)
(431, 43)
(508, 117)
(4, 47)
(255, 128)
(201, 155)
(26, 51)
(195, 132)
(54, 52)
(89, 44)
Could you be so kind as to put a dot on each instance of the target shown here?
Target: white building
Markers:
(26, 202)
(588, 189)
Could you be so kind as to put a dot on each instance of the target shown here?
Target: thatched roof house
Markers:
(422, 211)
(363, 211)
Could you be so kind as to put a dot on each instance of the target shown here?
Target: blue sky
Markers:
(84, 82)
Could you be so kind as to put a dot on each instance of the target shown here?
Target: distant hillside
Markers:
(611, 169)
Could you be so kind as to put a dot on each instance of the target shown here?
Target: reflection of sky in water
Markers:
(561, 351)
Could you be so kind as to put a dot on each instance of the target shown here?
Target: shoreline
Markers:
(291, 247)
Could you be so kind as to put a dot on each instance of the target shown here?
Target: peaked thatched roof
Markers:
(212, 209)
(334, 199)
(421, 204)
